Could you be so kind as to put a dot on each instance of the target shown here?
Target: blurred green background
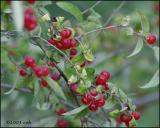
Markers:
(110, 49)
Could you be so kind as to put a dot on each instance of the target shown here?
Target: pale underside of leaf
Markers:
(138, 47)
(75, 111)
(156, 52)
(153, 82)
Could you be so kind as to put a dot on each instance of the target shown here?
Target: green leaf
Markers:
(75, 111)
(125, 21)
(138, 47)
(132, 123)
(111, 102)
(144, 22)
(72, 79)
(56, 88)
(153, 82)
(94, 16)
(72, 9)
(115, 113)
(83, 113)
(129, 31)
(90, 72)
(88, 55)
(69, 72)
(156, 52)
(78, 59)
(83, 74)
(81, 88)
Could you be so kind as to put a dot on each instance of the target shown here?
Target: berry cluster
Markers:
(65, 42)
(61, 122)
(102, 78)
(39, 71)
(94, 100)
(30, 21)
(126, 118)
(151, 39)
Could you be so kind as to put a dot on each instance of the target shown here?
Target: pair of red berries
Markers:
(91, 100)
(151, 39)
(126, 118)
(102, 78)
(30, 21)
(65, 42)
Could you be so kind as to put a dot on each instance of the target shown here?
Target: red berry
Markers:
(56, 76)
(105, 87)
(94, 92)
(74, 87)
(38, 71)
(73, 52)
(125, 118)
(31, 1)
(44, 83)
(118, 120)
(59, 45)
(101, 80)
(106, 74)
(66, 44)
(82, 65)
(127, 124)
(101, 101)
(52, 41)
(61, 111)
(66, 33)
(29, 61)
(73, 42)
(136, 115)
(151, 39)
(22, 72)
(93, 107)
(62, 123)
(45, 70)
(30, 21)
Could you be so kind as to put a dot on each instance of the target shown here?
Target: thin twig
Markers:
(94, 5)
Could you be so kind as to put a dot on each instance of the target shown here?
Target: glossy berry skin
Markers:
(151, 39)
(136, 115)
(73, 42)
(106, 74)
(30, 21)
(29, 61)
(44, 83)
(45, 70)
(66, 33)
(38, 71)
(101, 80)
(22, 72)
(73, 52)
(87, 99)
(94, 92)
(125, 118)
(66, 44)
(56, 76)
(101, 101)
(62, 123)
(60, 111)
(52, 41)
(74, 87)
(93, 107)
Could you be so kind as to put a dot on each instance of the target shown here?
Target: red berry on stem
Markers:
(101, 101)
(59, 45)
(29, 61)
(73, 52)
(60, 111)
(66, 33)
(125, 118)
(38, 71)
(106, 74)
(22, 72)
(101, 80)
(44, 83)
(94, 92)
(56, 76)
(52, 41)
(66, 44)
(87, 99)
(62, 123)
(45, 70)
(73, 42)
(151, 39)
(136, 115)
(93, 107)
